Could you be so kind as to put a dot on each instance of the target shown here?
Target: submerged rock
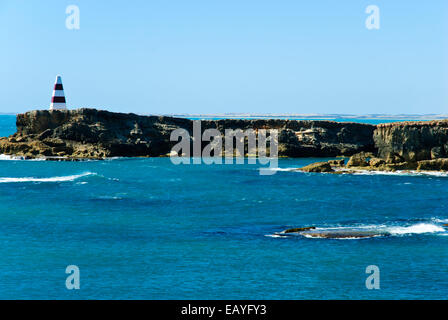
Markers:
(334, 233)
(343, 234)
(298, 229)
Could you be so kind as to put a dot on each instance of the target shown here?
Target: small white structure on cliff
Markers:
(58, 98)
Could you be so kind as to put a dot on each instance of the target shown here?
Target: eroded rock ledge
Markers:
(96, 134)
(408, 146)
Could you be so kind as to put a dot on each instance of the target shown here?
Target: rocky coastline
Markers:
(96, 134)
(401, 146)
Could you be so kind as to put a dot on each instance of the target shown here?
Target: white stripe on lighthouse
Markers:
(58, 106)
(58, 97)
(58, 93)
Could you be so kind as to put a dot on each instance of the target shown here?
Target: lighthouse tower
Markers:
(58, 98)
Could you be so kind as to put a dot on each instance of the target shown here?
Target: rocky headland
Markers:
(96, 134)
(409, 146)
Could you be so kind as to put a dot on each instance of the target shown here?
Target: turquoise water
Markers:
(145, 228)
(7, 125)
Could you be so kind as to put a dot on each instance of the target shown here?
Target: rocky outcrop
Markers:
(412, 141)
(437, 164)
(298, 229)
(359, 160)
(414, 145)
(421, 146)
(96, 134)
(89, 133)
(317, 167)
(333, 233)
(337, 163)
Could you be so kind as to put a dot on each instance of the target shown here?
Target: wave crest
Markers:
(416, 229)
(5, 157)
(51, 179)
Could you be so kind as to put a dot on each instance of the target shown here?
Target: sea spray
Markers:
(51, 179)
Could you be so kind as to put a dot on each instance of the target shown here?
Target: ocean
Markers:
(148, 229)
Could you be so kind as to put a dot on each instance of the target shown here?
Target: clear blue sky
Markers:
(282, 56)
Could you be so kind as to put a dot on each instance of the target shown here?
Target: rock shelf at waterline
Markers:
(364, 163)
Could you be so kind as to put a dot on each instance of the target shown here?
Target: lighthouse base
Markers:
(58, 106)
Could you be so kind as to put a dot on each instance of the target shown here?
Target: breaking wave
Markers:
(5, 157)
(51, 179)
(416, 229)
(368, 231)
(411, 173)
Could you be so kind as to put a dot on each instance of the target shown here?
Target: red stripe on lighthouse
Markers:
(58, 99)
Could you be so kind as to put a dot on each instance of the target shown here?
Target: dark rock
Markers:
(337, 163)
(317, 167)
(358, 160)
(399, 166)
(392, 158)
(376, 162)
(431, 165)
(298, 229)
(437, 152)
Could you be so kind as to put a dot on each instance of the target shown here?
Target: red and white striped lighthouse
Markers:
(58, 98)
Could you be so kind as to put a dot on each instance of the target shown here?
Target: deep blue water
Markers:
(145, 228)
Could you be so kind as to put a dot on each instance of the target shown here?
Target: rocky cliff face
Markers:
(421, 146)
(412, 141)
(95, 134)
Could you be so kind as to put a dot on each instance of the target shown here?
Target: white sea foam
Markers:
(373, 173)
(51, 179)
(395, 173)
(275, 236)
(345, 238)
(5, 157)
(415, 229)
